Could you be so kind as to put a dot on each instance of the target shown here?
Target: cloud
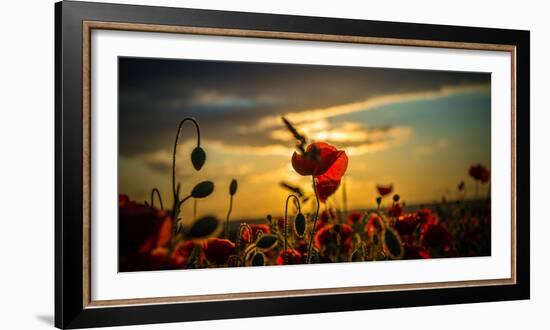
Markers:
(268, 137)
(432, 148)
(215, 99)
(355, 138)
(239, 103)
(318, 114)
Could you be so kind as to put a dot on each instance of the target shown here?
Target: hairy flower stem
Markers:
(153, 191)
(175, 220)
(310, 247)
(286, 226)
(227, 218)
(175, 190)
(178, 133)
(183, 201)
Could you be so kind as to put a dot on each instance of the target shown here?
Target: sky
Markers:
(418, 130)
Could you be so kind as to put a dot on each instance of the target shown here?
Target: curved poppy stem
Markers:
(183, 201)
(310, 247)
(153, 191)
(285, 255)
(227, 218)
(180, 126)
(176, 188)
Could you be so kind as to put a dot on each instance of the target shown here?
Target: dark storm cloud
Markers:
(155, 94)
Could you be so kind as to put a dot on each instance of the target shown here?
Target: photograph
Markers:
(237, 164)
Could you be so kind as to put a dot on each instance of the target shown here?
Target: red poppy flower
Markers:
(384, 190)
(415, 252)
(329, 214)
(355, 218)
(326, 163)
(328, 235)
(293, 257)
(321, 158)
(325, 188)
(181, 254)
(373, 226)
(255, 229)
(281, 222)
(157, 258)
(141, 228)
(406, 224)
(395, 210)
(479, 173)
(436, 236)
(425, 216)
(302, 247)
(218, 250)
(123, 200)
(325, 218)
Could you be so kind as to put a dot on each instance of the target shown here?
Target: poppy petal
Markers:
(327, 156)
(326, 187)
(302, 165)
(338, 167)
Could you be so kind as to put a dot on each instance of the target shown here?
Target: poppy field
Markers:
(154, 236)
(238, 164)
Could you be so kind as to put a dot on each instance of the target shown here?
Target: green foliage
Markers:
(358, 254)
(193, 258)
(315, 257)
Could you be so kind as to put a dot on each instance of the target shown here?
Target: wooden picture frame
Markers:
(75, 21)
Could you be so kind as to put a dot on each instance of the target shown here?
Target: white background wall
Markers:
(27, 153)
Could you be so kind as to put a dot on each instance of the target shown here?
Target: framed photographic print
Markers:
(218, 164)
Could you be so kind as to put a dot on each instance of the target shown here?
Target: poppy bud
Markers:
(233, 187)
(258, 259)
(202, 189)
(300, 224)
(198, 158)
